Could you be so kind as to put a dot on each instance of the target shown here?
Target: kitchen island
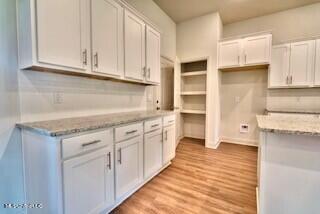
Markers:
(289, 165)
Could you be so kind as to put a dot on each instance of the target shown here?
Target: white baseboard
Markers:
(239, 141)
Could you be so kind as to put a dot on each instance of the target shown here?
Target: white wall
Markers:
(288, 25)
(11, 180)
(165, 24)
(196, 38)
(80, 96)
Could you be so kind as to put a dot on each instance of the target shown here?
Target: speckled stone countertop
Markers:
(60, 127)
(289, 124)
(294, 111)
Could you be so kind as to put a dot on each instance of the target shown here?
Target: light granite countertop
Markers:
(60, 127)
(294, 111)
(289, 124)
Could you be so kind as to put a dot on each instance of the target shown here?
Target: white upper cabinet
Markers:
(257, 50)
(89, 182)
(134, 46)
(152, 55)
(317, 67)
(302, 63)
(279, 68)
(54, 34)
(229, 53)
(107, 37)
(250, 51)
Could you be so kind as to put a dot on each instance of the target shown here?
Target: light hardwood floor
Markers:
(200, 180)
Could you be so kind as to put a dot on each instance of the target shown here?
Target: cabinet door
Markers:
(229, 53)
(129, 165)
(134, 46)
(62, 33)
(279, 68)
(152, 153)
(257, 50)
(89, 182)
(317, 68)
(302, 63)
(169, 144)
(153, 55)
(107, 37)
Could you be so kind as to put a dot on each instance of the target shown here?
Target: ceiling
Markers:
(230, 10)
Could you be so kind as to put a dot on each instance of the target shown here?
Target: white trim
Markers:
(257, 198)
(246, 142)
(260, 33)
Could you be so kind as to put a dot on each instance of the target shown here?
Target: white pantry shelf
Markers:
(194, 73)
(193, 93)
(185, 111)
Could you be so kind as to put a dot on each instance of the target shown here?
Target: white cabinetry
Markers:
(302, 63)
(169, 145)
(129, 165)
(317, 67)
(257, 50)
(134, 33)
(279, 68)
(152, 55)
(89, 182)
(152, 152)
(107, 37)
(249, 51)
(292, 65)
(229, 53)
(54, 34)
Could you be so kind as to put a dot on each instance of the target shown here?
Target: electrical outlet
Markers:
(57, 98)
(237, 99)
(244, 128)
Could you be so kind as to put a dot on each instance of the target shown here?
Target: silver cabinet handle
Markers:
(144, 71)
(109, 160)
(120, 156)
(84, 57)
(96, 60)
(287, 80)
(290, 79)
(166, 135)
(149, 69)
(91, 143)
(131, 132)
(245, 58)
(155, 125)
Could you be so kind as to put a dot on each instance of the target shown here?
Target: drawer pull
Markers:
(170, 121)
(109, 160)
(91, 143)
(155, 125)
(131, 132)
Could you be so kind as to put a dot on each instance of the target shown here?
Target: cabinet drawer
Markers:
(81, 144)
(168, 120)
(152, 125)
(129, 131)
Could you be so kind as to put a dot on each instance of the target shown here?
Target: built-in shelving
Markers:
(194, 73)
(185, 111)
(193, 93)
(193, 98)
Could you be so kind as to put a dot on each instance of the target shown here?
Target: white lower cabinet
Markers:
(152, 152)
(169, 144)
(129, 165)
(89, 182)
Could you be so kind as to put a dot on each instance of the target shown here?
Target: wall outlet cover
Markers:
(244, 128)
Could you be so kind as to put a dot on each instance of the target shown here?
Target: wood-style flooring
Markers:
(200, 180)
